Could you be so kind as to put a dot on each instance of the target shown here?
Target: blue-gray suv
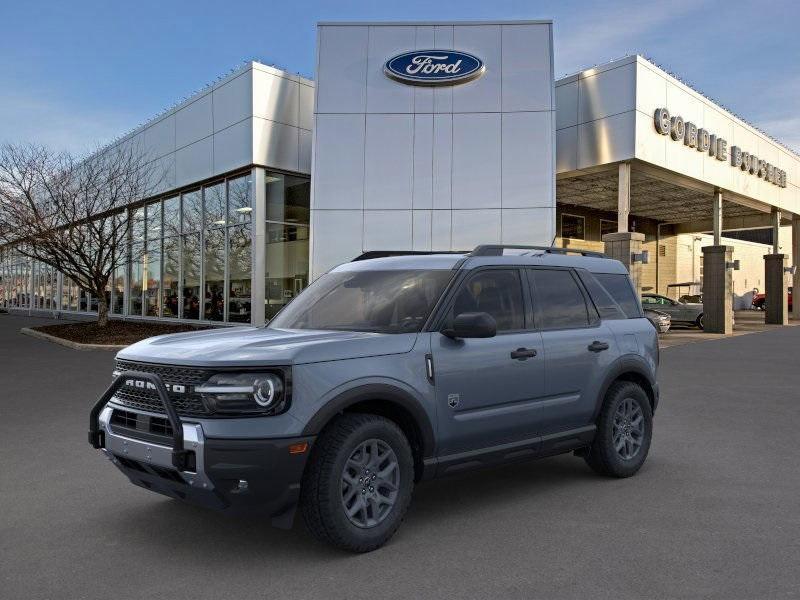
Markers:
(386, 371)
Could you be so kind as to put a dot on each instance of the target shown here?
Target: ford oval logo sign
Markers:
(434, 67)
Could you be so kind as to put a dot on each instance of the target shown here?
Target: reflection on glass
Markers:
(83, 299)
(119, 290)
(170, 276)
(152, 277)
(287, 265)
(135, 297)
(214, 293)
(137, 225)
(215, 204)
(172, 216)
(239, 209)
(153, 220)
(192, 211)
(240, 273)
(191, 276)
(288, 198)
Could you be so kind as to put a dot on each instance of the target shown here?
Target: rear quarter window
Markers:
(618, 286)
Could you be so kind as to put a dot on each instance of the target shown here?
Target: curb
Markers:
(68, 343)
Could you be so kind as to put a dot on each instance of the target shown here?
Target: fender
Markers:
(376, 391)
(630, 363)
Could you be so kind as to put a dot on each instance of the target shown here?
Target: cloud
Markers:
(37, 116)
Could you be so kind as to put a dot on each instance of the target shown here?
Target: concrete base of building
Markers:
(717, 290)
(776, 290)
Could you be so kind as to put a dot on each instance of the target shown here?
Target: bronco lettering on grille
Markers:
(175, 388)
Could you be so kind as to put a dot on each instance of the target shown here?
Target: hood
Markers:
(251, 346)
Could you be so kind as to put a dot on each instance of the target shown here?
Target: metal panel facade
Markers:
(398, 166)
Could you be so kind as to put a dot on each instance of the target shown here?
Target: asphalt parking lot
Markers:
(714, 513)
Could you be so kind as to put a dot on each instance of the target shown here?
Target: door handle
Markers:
(596, 346)
(523, 353)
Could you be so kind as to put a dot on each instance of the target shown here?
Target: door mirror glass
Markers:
(472, 325)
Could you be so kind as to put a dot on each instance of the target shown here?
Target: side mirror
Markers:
(472, 325)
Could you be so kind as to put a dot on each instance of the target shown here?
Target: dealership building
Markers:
(441, 136)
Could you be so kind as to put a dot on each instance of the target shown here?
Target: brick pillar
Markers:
(621, 246)
(796, 263)
(777, 312)
(717, 289)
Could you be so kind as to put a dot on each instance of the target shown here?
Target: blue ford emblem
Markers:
(434, 67)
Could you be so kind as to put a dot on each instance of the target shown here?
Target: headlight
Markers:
(244, 393)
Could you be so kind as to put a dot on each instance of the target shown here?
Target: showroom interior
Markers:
(273, 178)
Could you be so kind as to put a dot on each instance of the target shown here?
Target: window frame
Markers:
(593, 319)
(581, 217)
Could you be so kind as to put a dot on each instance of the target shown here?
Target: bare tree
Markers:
(70, 213)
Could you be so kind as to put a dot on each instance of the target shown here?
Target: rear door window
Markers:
(560, 301)
(605, 304)
(618, 285)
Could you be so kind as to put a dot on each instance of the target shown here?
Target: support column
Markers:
(623, 197)
(777, 308)
(796, 263)
(717, 217)
(717, 288)
(775, 288)
(258, 279)
(622, 246)
(776, 231)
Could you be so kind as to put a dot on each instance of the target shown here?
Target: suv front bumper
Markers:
(237, 476)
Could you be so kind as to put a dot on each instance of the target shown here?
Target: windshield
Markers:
(379, 301)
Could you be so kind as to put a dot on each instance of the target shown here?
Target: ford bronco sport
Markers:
(384, 372)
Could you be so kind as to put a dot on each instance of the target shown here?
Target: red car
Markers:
(760, 300)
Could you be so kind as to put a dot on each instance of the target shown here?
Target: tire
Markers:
(331, 477)
(604, 457)
(699, 321)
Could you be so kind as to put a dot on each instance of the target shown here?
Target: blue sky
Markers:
(75, 74)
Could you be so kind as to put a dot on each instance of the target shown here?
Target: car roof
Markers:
(593, 264)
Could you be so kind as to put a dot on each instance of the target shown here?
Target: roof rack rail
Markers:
(497, 250)
(386, 253)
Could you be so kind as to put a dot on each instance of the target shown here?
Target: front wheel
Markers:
(701, 321)
(358, 484)
(624, 431)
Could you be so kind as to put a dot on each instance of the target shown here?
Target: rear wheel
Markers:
(701, 321)
(358, 484)
(624, 431)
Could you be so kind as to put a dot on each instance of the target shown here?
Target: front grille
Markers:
(189, 404)
(141, 426)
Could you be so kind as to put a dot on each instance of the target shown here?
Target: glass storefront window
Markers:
(214, 292)
(239, 274)
(192, 211)
(287, 265)
(153, 220)
(239, 208)
(191, 276)
(137, 225)
(288, 198)
(135, 282)
(152, 278)
(119, 291)
(172, 216)
(215, 209)
(170, 276)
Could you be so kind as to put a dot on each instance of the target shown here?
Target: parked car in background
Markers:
(660, 320)
(760, 300)
(685, 313)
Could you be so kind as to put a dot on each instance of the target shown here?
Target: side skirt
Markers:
(531, 448)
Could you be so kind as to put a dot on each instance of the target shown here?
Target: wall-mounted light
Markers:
(733, 265)
(791, 270)
(643, 257)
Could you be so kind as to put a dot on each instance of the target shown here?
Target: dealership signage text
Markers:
(704, 141)
(434, 67)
